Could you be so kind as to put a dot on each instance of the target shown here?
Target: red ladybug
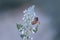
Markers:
(35, 21)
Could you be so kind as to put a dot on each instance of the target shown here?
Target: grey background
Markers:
(48, 11)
